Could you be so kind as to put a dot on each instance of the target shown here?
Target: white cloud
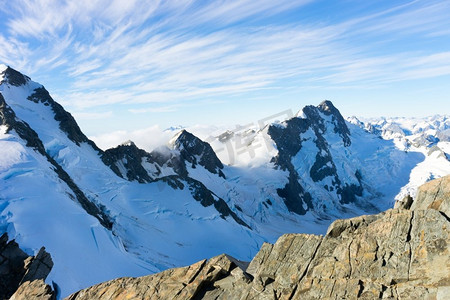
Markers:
(92, 115)
(147, 139)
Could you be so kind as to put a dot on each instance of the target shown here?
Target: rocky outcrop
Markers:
(399, 254)
(127, 157)
(14, 77)
(23, 275)
(434, 195)
(312, 126)
(195, 152)
(181, 283)
(36, 290)
(289, 142)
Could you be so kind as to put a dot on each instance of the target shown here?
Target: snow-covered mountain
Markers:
(429, 136)
(128, 212)
(56, 191)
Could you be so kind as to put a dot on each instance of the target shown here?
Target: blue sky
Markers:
(128, 65)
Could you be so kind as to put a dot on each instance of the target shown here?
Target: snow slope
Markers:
(428, 137)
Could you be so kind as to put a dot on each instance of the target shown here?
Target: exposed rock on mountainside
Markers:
(9, 119)
(14, 77)
(132, 163)
(398, 254)
(195, 151)
(292, 135)
(23, 272)
(126, 161)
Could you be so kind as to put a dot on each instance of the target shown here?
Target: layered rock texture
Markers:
(23, 273)
(399, 254)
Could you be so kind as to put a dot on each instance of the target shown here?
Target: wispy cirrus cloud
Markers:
(150, 53)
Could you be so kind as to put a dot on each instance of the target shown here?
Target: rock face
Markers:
(313, 126)
(36, 290)
(23, 275)
(197, 152)
(399, 254)
(127, 157)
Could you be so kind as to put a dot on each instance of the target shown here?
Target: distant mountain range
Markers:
(128, 212)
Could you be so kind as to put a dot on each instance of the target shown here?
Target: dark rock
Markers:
(12, 266)
(289, 138)
(17, 269)
(207, 198)
(163, 157)
(8, 118)
(131, 157)
(197, 152)
(405, 203)
(14, 77)
(289, 142)
(66, 121)
(340, 126)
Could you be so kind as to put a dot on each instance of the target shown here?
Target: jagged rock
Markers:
(127, 157)
(398, 254)
(17, 270)
(39, 266)
(197, 152)
(11, 266)
(14, 77)
(132, 163)
(405, 203)
(181, 283)
(36, 290)
(433, 195)
(290, 137)
(340, 127)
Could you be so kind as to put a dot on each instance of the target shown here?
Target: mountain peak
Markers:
(128, 143)
(327, 108)
(12, 76)
(182, 135)
(195, 151)
(327, 105)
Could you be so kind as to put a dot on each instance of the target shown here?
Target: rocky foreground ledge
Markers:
(402, 253)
